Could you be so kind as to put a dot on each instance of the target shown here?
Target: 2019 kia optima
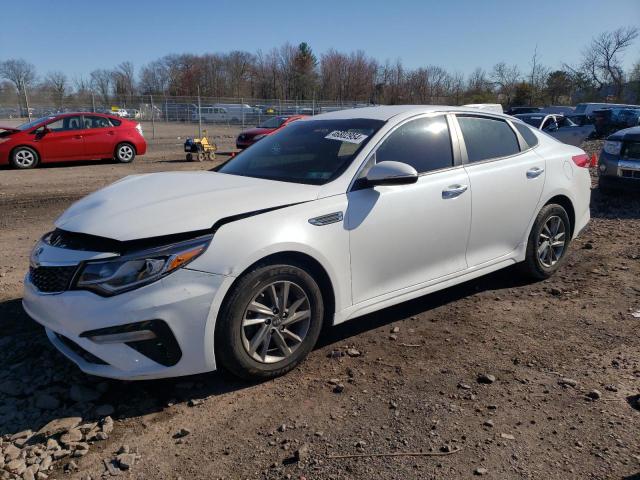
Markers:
(331, 218)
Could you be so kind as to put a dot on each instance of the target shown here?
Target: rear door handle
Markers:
(78, 137)
(112, 133)
(453, 191)
(535, 172)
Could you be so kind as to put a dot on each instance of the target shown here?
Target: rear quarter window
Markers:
(115, 123)
(529, 137)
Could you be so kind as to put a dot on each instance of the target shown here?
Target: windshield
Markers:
(581, 108)
(312, 152)
(273, 122)
(33, 123)
(533, 120)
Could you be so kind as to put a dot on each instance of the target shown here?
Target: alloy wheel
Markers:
(125, 153)
(551, 241)
(276, 322)
(25, 158)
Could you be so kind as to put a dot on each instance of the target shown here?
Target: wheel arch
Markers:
(304, 261)
(566, 203)
(26, 145)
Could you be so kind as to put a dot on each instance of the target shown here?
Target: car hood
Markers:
(157, 204)
(9, 129)
(252, 132)
(628, 134)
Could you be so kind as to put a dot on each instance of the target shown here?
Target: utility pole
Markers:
(199, 115)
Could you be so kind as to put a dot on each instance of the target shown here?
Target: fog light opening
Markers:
(124, 337)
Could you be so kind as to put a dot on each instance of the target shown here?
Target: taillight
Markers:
(581, 160)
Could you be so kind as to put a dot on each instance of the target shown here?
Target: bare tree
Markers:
(56, 82)
(506, 78)
(537, 79)
(101, 82)
(124, 81)
(22, 74)
(602, 59)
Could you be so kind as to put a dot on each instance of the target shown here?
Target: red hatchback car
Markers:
(274, 124)
(71, 136)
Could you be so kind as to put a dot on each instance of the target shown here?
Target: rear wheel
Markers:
(270, 323)
(24, 158)
(201, 157)
(548, 242)
(125, 153)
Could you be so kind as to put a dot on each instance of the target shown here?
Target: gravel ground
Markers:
(496, 377)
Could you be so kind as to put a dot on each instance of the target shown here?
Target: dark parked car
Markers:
(520, 110)
(619, 163)
(607, 121)
(71, 136)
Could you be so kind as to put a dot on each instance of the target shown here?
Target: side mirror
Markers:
(552, 127)
(391, 173)
(42, 131)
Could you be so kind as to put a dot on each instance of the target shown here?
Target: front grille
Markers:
(52, 279)
(81, 352)
(630, 174)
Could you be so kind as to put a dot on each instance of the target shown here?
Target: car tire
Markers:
(251, 327)
(125, 153)
(201, 157)
(24, 158)
(545, 254)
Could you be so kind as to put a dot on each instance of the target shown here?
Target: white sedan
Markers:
(334, 217)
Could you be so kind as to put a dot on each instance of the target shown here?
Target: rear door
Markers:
(99, 136)
(64, 140)
(506, 180)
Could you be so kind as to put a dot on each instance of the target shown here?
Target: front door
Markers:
(64, 139)
(405, 235)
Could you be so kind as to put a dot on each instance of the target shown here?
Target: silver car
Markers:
(558, 126)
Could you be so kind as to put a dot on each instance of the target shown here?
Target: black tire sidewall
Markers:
(532, 263)
(16, 165)
(230, 352)
(118, 152)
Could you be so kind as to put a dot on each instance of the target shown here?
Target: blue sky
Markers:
(78, 36)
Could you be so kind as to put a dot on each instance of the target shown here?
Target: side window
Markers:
(94, 121)
(66, 123)
(487, 138)
(425, 144)
(527, 134)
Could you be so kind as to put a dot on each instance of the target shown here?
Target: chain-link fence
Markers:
(241, 112)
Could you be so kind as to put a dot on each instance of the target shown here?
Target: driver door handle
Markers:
(535, 172)
(453, 191)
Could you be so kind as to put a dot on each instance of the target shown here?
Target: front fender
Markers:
(239, 244)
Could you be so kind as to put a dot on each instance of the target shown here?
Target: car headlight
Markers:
(130, 271)
(612, 147)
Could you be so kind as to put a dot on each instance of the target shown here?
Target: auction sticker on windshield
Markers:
(343, 136)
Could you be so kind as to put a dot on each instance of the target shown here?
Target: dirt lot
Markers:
(496, 377)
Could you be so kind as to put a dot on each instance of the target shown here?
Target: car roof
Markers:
(387, 112)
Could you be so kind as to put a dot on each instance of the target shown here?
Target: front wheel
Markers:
(548, 242)
(125, 153)
(270, 322)
(24, 158)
